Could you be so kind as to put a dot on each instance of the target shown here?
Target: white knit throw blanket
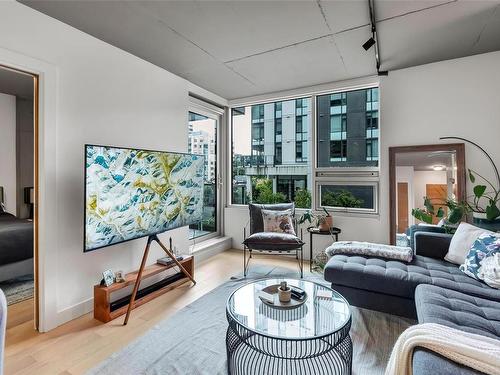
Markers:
(475, 351)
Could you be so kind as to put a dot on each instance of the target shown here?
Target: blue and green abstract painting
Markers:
(134, 193)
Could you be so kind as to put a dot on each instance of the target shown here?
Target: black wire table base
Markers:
(250, 353)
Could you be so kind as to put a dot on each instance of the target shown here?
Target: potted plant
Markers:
(323, 221)
(484, 203)
(456, 212)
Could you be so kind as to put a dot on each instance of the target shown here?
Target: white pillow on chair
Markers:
(462, 241)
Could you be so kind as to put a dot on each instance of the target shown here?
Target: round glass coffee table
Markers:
(310, 339)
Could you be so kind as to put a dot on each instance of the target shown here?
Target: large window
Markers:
(347, 150)
(202, 140)
(272, 152)
(347, 129)
(271, 161)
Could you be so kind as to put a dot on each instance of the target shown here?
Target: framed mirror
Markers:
(433, 171)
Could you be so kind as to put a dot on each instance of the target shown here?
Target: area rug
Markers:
(193, 340)
(18, 289)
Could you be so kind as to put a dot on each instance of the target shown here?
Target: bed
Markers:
(16, 246)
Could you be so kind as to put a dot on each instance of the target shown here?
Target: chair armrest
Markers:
(432, 245)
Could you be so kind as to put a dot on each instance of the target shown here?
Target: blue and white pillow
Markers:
(485, 246)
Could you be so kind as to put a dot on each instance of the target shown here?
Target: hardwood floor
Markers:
(82, 343)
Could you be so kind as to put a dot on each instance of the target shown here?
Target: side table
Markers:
(313, 230)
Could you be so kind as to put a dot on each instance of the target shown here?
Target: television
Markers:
(132, 193)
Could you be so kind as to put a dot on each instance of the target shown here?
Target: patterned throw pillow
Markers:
(486, 245)
(278, 221)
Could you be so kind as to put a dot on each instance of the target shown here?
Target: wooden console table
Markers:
(102, 293)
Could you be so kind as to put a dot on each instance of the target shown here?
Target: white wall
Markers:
(418, 105)
(8, 151)
(101, 95)
(25, 153)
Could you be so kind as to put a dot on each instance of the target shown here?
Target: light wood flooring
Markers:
(82, 343)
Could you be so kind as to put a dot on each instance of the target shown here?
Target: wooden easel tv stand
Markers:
(103, 310)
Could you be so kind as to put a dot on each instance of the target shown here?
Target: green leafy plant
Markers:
(263, 192)
(303, 198)
(311, 216)
(456, 212)
(484, 201)
(341, 198)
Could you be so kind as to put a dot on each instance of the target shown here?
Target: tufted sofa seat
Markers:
(401, 279)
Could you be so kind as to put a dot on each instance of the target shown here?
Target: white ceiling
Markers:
(424, 160)
(244, 48)
(17, 84)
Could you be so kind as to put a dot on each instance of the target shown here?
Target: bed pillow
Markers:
(486, 246)
(278, 221)
(462, 241)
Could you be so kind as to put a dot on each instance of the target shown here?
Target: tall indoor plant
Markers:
(485, 203)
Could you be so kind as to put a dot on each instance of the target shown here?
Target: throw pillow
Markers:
(487, 245)
(278, 221)
(462, 241)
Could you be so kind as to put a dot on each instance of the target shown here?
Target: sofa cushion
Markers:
(426, 362)
(272, 241)
(256, 222)
(458, 310)
(399, 278)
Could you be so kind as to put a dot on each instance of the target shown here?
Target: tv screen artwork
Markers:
(132, 193)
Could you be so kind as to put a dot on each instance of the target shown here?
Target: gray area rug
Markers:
(18, 289)
(193, 340)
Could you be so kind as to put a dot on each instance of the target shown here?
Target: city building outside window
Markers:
(347, 139)
(270, 160)
(272, 150)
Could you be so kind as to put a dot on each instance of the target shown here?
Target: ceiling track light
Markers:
(373, 41)
(369, 44)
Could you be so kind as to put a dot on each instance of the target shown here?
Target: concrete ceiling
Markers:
(17, 84)
(244, 48)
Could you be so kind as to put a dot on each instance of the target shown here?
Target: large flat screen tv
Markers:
(132, 193)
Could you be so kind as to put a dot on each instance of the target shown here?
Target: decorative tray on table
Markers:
(269, 296)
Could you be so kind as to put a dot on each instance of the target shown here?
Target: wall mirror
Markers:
(433, 171)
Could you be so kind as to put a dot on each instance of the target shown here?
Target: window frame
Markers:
(329, 175)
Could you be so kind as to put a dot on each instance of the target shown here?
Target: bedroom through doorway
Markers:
(18, 192)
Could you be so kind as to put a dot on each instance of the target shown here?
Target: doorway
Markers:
(203, 139)
(18, 194)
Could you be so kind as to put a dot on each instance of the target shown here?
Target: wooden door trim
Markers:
(36, 158)
(459, 149)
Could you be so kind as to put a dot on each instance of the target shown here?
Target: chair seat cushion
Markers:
(273, 241)
(458, 310)
(399, 278)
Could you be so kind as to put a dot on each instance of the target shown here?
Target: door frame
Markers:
(46, 314)
(36, 107)
(201, 107)
(459, 149)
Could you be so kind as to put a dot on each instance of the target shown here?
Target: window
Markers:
(347, 139)
(272, 149)
(348, 196)
(270, 161)
(202, 135)
(347, 129)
